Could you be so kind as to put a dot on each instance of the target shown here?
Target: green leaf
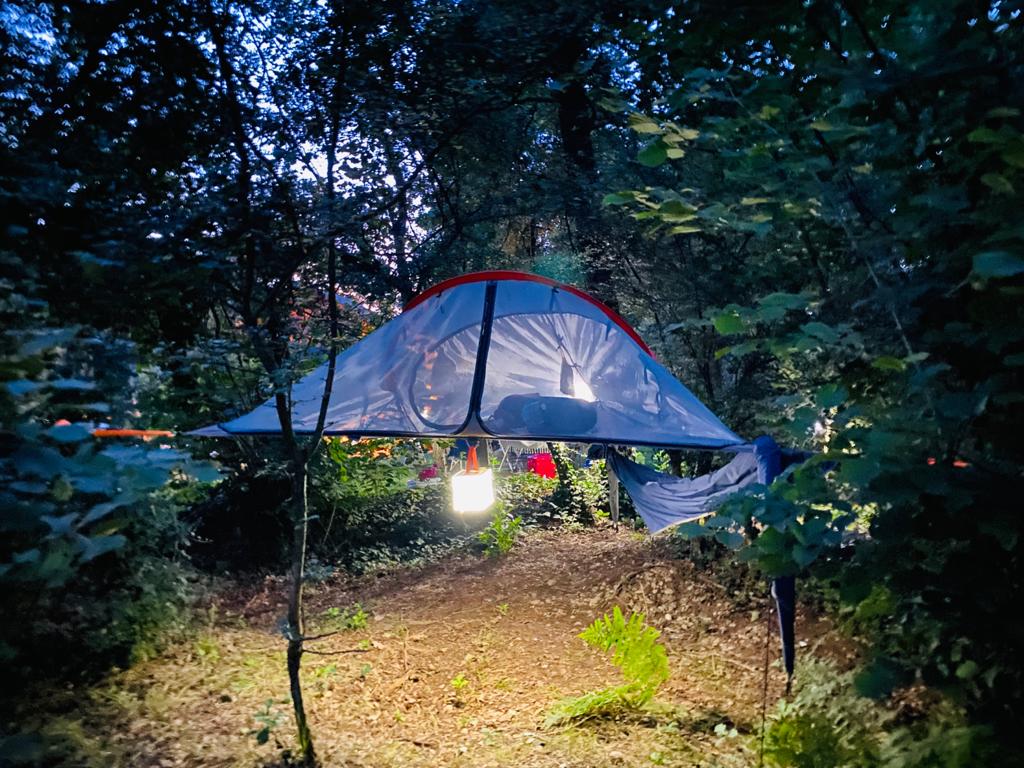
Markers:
(27, 557)
(1014, 154)
(785, 300)
(676, 211)
(821, 331)
(804, 556)
(691, 530)
(731, 539)
(888, 363)
(822, 125)
(46, 339)
(755, 200)
(985, 136)
(100, 545)
(60, 526)
(613, 104)
(967, 670)
(653, 154)
(685, 134)
(729, 323)
(643, 124)
(831, 396)
(618, 198)
(998, 183)
(998, 264)
(684, 229)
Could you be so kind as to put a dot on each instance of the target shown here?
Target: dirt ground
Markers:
(457, 666)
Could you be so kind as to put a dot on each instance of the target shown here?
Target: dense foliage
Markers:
(808, 208)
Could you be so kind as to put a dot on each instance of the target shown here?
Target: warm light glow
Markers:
(581, 388)
(472, 491)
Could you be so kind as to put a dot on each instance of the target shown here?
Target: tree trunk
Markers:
(296, 628)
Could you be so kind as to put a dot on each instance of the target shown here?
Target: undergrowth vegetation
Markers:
(501, 533)
(829, 724)
(635, 650)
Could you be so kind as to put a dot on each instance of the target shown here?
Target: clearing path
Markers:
(457, 666)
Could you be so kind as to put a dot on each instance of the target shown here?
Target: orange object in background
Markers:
(958, 463)
(145, 434)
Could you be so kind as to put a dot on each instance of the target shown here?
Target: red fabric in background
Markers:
(541, 464)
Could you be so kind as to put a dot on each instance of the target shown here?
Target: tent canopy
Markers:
(506, 355)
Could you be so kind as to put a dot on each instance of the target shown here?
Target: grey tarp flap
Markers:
(665, 500)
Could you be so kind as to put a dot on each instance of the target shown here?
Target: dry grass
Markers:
(503, 630)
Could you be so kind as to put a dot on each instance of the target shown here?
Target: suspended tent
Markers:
(504, 355)
(513, 356)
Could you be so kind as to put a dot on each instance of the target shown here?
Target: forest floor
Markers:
(457, 665)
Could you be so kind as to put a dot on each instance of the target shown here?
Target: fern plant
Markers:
(636, 652)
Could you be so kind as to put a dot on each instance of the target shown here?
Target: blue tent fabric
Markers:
(499, 355)
(665, 500)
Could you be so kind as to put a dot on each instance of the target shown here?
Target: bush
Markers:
(524, 490)
(829, 725)
(593, 485)
(500, 535)
(91, 553)
(408, 525)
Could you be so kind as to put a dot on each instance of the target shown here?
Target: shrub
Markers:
(500, 535)
(520, 490)
(372, 467)
(593, 486)
(405, 526)
(92, 555)
(829, 725)
(636, 652)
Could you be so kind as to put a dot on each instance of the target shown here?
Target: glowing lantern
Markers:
(472, 488)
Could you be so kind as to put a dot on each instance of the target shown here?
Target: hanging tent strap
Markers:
(769, 466)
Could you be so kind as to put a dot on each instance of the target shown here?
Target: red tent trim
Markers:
(510, 274)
